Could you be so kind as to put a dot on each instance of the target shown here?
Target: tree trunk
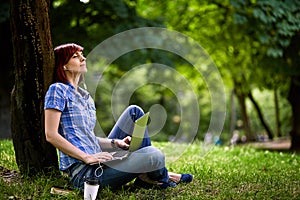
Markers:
(246, 124)
(260, 116)
(277, 114)
(294, 99)
(293, 59)
(33, 67)
(232, 113)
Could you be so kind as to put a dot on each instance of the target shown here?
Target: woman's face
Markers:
(76, 64)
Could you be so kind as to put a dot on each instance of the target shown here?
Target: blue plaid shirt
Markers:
(77, 120)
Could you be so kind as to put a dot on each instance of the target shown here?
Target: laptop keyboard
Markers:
(119, 155)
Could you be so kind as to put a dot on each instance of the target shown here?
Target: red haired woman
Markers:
(70, 118)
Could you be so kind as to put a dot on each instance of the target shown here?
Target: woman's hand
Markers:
(124, 144)
(98, 157)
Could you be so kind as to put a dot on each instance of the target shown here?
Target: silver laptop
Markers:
(136, 139)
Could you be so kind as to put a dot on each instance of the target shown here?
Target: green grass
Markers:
(219, 173)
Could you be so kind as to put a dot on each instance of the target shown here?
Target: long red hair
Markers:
(63, 54)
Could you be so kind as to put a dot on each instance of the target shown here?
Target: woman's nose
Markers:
(83, 58)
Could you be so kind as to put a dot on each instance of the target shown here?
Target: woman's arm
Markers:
(52, 118)
(110, 144)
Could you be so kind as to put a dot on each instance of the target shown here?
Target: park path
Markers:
(276, 144)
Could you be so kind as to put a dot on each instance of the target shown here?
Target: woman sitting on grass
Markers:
(70, 117)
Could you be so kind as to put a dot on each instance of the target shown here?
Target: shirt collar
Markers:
(81, 91)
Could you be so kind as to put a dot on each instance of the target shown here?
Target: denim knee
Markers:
(135, 112)
(158, 159)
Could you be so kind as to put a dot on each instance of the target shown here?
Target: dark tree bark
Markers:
(260, 116)
(241, 96)
(232, 113)
(246, 124)
(294, 98)
(33, 67)
(293, 59)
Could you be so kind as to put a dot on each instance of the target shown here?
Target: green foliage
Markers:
(273, 23)
(239, 35)
(90, 23)
(145, 96)
(97, 21)
(219, 173)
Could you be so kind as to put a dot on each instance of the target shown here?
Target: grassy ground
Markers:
(220, 173)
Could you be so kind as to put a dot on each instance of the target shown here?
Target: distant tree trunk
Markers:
(232, 113)
(246, 124)
(33, 67)
(260, 116)
(277, 114)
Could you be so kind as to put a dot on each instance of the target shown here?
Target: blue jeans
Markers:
(147, 159)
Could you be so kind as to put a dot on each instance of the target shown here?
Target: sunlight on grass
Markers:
(7, 155)
(219, 173)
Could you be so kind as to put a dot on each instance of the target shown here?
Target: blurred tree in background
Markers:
(275, 26)
(97, 21)
(250, 41)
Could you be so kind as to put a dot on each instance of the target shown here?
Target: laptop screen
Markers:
(138, 132)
